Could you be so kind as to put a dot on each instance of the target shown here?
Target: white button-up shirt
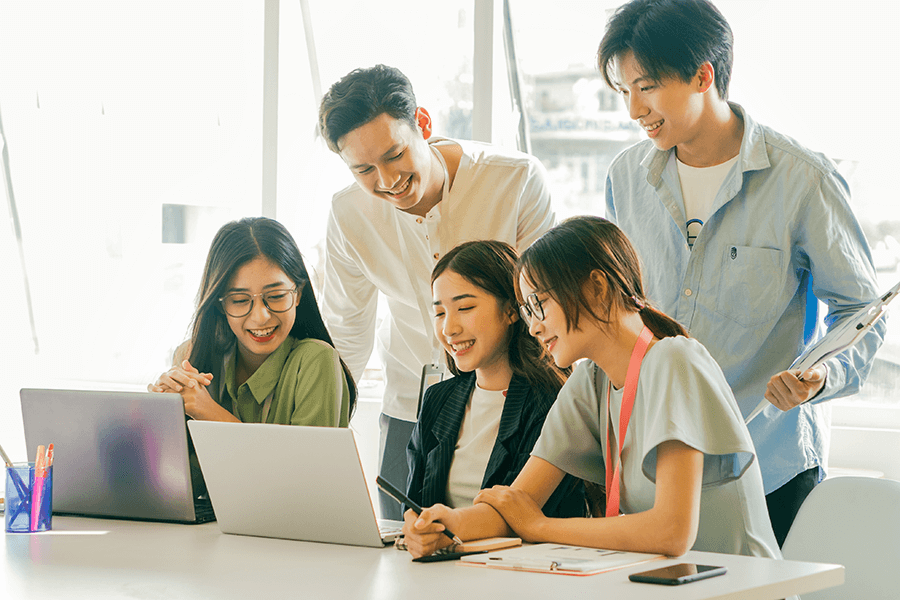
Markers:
(371, 246)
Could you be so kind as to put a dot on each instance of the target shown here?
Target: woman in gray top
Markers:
(649, 416)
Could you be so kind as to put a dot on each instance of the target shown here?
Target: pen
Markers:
(525, 564)
(5, 457)
(402, 498)
(17, 481)
(37, 491)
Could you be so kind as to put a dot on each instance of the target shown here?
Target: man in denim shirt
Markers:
(738, 227)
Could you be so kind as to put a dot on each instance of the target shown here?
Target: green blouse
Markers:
(305, 379)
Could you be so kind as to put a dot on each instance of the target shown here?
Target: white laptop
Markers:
(289, 482)
(116, 454)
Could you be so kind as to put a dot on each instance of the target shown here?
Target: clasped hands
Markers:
(191, 384)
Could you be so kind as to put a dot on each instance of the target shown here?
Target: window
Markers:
(133, 133)
(577, 124)
(134, 130)
(832, 104)
(438, 61)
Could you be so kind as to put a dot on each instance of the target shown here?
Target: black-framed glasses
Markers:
(532, 308)
(239, 304)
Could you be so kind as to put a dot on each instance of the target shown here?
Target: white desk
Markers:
(97, 559)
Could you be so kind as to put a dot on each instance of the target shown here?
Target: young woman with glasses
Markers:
(259, 351)
(477, 429)
(649, 415)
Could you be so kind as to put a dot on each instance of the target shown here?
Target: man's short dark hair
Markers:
(669, 38)
(360, 96)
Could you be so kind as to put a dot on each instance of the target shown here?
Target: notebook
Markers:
(289, 482)
(116, 454)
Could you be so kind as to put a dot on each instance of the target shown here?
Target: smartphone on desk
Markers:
(677, 574)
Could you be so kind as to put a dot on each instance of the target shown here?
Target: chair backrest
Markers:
(855, 522)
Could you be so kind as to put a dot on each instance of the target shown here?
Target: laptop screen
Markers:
(117, 454)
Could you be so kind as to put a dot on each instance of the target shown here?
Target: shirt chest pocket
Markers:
(751, 282)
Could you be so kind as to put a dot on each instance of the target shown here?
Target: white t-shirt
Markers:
(681, 395)
(699, 188)
(477, 435)
(497, 194)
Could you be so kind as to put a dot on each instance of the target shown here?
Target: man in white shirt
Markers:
(415, 198)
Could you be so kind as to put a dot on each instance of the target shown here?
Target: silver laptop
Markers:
(289, 482)
(116, 454)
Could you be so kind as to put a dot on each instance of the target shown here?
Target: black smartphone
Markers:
(677, 574)
(441, 556)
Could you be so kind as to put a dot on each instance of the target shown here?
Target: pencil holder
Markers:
(29, 499)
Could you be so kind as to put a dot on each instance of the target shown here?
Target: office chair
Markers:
(855, 522)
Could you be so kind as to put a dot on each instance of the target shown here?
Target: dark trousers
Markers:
(393, 467)
(784, 503)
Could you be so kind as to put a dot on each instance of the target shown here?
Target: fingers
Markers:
(427, 521)
(176, 379)
(786, 390)
(187, 366)
(198, 404)
(491, 496)
(423, 535)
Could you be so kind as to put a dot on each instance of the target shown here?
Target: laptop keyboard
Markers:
(390, 528)
(203, 510)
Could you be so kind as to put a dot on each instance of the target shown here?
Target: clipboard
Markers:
(838, 339)
(559, 559)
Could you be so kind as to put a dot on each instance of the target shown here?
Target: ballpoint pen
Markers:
(402, 498)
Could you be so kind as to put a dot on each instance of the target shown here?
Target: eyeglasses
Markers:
(239, 304)
(532, 308)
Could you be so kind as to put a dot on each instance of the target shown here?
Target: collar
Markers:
(266, 377)
(753, 155)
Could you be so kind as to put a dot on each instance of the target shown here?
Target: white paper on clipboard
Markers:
(838, 339)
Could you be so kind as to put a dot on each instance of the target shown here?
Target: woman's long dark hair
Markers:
(236, 244)
(491, 265)
(561, 262)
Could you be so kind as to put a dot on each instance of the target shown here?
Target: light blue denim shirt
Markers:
(780, 228)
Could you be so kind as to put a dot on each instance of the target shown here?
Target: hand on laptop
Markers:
(424, 533)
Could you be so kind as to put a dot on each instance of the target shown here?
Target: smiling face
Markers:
(474, 329)
(670, 110)
(262, 331)
(392, 161)
(564, 345)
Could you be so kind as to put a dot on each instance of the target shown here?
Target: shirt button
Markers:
(437, 255)
(688, 292)
(419, 220)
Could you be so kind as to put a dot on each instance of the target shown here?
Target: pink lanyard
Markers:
(631, 381)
